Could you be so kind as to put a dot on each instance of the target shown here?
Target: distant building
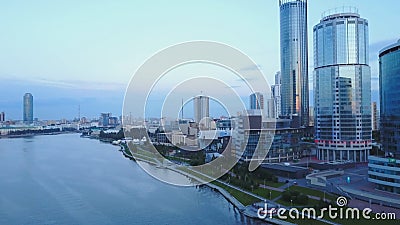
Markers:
(270, 108)
(257, 101)
(113, 121)
(104, 119)
(213, 140)
(276, 94)
(294, 59)
(252, 137)
(311, 116)
(2, 117)
(374, 117)
(342, 88)
(224, 124)
(28, 108)
(202, 111)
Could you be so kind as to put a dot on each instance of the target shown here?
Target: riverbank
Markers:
(36, 134)
(220, 187)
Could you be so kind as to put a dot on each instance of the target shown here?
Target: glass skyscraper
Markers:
(389, 86)
(294, 59)
(342, 88)
(28, 108)
(384, 171)
(257, 101)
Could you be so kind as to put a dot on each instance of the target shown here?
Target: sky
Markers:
(71, 53)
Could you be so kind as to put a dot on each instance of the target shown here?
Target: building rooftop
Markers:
(390, 48)
(340, 12)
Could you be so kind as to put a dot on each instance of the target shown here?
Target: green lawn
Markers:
(311, 202)
(265, 193)
(272, 184)
(309, 191)
(243, 198)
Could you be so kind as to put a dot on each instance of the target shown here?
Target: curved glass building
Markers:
(294, 59)
(389, 86)
(384, 172)
(342, 88)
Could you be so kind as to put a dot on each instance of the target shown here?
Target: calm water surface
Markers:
(65, 179)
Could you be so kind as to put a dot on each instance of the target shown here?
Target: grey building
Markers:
(202, 111)
(252, 137)
(28, 108)
(342, 88)
(294, 59)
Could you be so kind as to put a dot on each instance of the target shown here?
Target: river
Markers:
(65, 179)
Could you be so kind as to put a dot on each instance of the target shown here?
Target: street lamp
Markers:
(270, 195)
(291, 203)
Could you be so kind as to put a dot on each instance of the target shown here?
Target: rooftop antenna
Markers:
(79, 112)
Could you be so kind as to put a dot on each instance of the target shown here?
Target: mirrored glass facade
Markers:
(294, 59)
(389, 86)
(342, 88)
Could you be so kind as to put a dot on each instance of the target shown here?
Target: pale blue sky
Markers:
(66, 52)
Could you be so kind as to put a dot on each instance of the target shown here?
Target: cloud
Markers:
(83, 85)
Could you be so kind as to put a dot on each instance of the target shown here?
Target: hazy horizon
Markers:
(71, 53)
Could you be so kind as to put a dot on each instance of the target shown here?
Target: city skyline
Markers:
(97, 79)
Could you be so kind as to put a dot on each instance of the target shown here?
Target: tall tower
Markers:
(257, 101)
(342, 87)
(202, 111)
(294, 59)
(28, 108)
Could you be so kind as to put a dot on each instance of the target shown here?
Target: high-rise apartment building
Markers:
(202, 111)
(294, 59)
(342, 88)
(28, 108)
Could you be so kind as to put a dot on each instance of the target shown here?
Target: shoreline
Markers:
(33, 134)
(231, 199)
